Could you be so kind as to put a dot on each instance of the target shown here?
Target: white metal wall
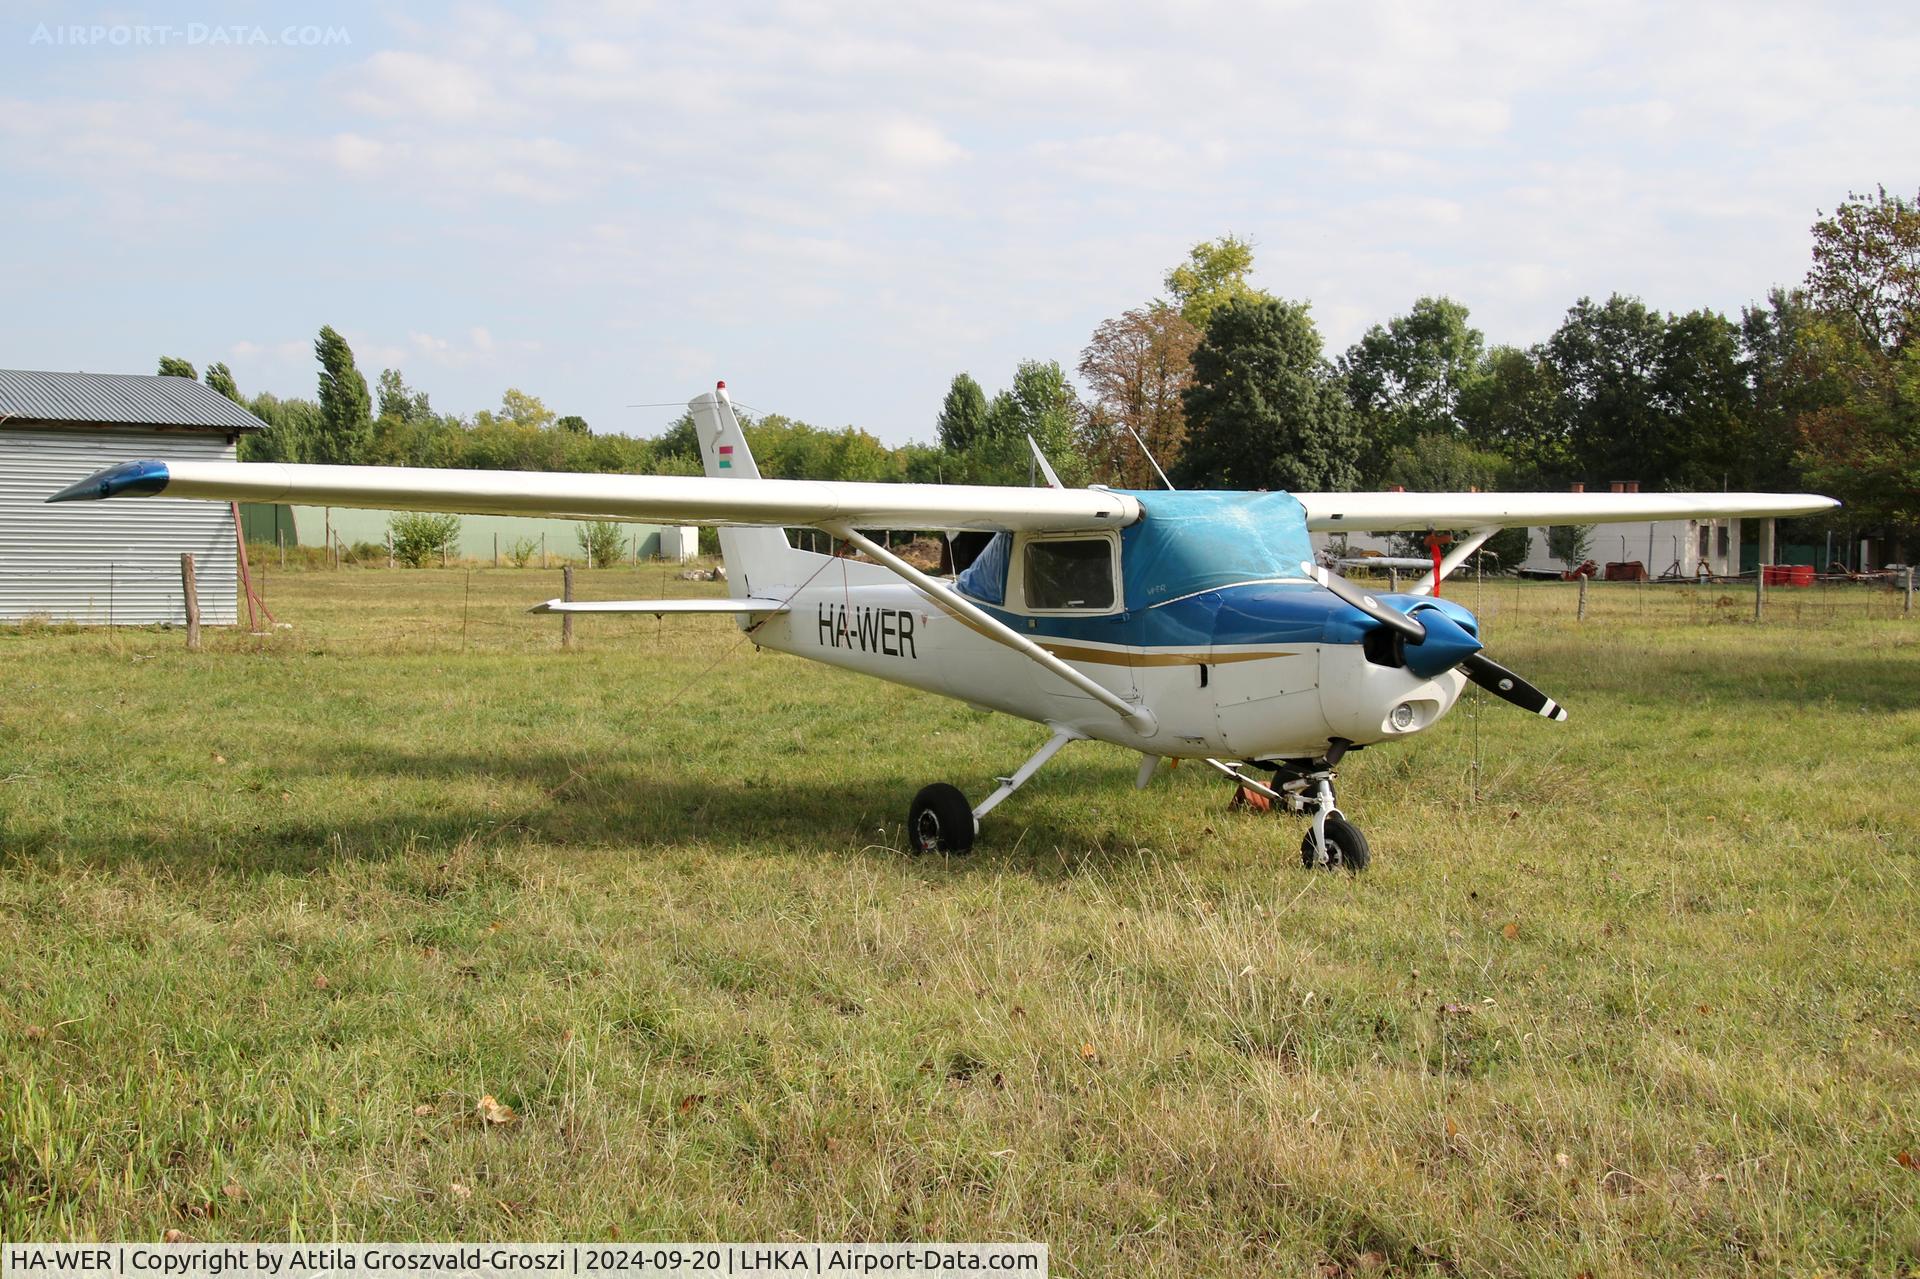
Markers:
(108, 563)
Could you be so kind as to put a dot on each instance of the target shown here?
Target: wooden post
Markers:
(566, 619)
(543, 548)
(389, 548)
(1907, 609)
(326, 534)
(192, 595)
(1393, 579)
(443, 555)
(496, 548)
(280, 536)
(1580, 614)
(1760, 570)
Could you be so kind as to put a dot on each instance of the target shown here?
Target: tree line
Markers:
(1228, 386)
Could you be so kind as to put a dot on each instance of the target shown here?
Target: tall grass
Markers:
(1632, 994)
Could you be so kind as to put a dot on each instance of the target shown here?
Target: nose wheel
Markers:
(1341, 847)
(1306, 786)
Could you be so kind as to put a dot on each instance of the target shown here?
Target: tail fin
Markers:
(758, 560)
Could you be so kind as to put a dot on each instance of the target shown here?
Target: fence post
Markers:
(1759, 591)
(280, 536)
(566, 619)
(1907, 609)
(192, 595)
(1580, 614)
(543, 548)
(496, 548)
(389, 548)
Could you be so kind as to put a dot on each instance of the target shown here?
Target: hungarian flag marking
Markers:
(726, 457)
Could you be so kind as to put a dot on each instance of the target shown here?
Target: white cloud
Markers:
(404, 84)
(783, 185)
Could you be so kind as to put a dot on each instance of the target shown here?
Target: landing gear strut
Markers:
(940, 821)
(1331, 842)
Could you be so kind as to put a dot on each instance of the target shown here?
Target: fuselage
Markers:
(1252, 670)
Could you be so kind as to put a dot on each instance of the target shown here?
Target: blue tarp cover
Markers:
(1200, 541)
(1187, 542)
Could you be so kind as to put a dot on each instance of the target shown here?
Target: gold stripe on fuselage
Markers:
(1124, 656)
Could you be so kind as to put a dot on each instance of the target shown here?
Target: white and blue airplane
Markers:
(1182, 625)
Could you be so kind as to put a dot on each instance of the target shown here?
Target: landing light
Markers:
(1402, 717)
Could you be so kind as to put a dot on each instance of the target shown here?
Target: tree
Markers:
(1649, 397)
(1137, 367)
(400, 402)
(419, 536)
(963, 415)
(573, 424)
(1040, 404)
(1265, 409)
(1700, 391)
(1214, 274)
(1406, 379)
(1511, 406)
(1570, 544)
(292, 427)
(346, 410)
(174, 366)
(1441, 462)
(1866, 265)
(1860, 363)
(220, 378)
(526, 410)
(603, 541)
(1781, 387)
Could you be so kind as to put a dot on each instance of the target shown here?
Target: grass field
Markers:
(1632, 994)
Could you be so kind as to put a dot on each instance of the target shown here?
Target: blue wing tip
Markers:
(139, 479)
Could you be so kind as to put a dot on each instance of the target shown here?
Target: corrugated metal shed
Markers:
(111, 563)
(29, 395)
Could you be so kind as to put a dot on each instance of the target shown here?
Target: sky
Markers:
(836, 207)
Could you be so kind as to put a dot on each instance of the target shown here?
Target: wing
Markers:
(653, 499)
(1387, 512)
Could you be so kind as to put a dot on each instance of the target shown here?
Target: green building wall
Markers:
(480, 535)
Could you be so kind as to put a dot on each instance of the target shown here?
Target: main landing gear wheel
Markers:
(940, 821)
(1346, 847)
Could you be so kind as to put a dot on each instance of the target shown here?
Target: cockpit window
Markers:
(1070, 573)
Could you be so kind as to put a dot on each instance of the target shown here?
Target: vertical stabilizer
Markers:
(759, 560)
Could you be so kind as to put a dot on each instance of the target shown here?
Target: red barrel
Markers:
(1802, 575)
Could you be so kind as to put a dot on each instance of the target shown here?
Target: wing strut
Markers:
(1138, 717)
(1455, 558)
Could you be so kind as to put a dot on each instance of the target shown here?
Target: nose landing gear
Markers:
(1331, 842)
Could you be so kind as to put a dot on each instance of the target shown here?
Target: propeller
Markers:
(1438, 643)
(1501, 682)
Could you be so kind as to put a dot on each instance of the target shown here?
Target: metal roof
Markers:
(132, 398)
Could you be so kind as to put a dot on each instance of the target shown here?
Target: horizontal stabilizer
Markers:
(661, 606)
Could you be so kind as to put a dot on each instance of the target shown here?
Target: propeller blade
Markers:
(1503, 683)
(1351, 594)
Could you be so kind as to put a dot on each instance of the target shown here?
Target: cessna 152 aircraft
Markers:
(1182, 625)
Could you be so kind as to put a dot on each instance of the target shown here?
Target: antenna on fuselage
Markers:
(1148, 454)
(1046, 468)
